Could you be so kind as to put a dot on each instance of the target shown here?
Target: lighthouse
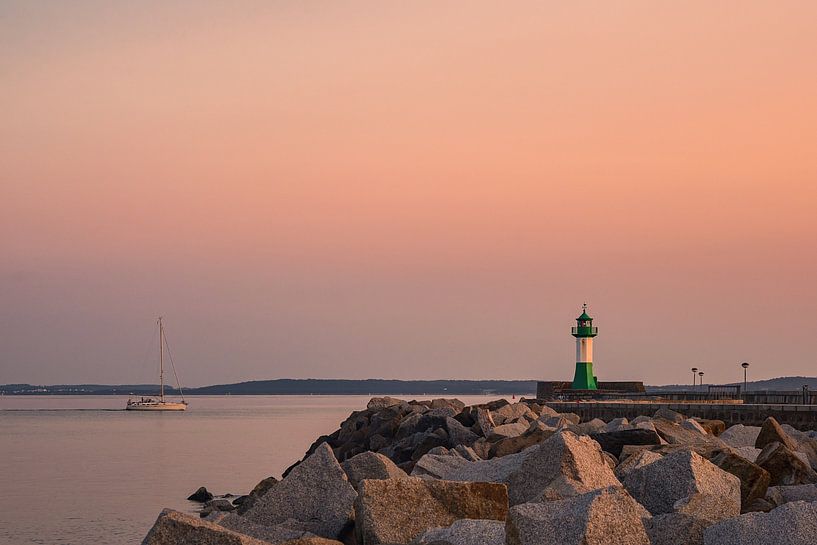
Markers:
(584, 333)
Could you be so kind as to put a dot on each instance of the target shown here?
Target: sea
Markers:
(79, 470)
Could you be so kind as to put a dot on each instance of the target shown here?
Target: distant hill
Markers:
(295, 387)
(772, 384)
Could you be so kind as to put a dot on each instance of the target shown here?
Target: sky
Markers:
(407, 190)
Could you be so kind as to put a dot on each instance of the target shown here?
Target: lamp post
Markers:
(694, 370)
(745, 366)
(701, 374)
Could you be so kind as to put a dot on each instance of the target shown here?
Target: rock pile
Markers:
(438, 472)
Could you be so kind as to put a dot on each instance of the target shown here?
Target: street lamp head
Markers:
(701, 374)
(694, 369)
(744, 365)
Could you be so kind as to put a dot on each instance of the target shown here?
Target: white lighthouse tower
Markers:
(584, 379)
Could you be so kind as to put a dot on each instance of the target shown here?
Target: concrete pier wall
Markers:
(802, 417)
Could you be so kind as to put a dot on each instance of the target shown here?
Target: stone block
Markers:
(564, 465)
(175, 528)
(316, 491)
(740, 436)
(678, 475)
(398, 510)
(600, 517)
(465, 532)
(791, 524)
(370, 465)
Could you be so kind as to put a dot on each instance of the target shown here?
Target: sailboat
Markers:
(153, 404)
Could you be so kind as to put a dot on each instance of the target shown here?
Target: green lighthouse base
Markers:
(584, 379)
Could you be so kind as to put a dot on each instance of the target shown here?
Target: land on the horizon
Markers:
(356, 387)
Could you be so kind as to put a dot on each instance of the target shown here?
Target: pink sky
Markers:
(424, 190)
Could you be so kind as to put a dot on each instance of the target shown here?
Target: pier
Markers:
(799, 416)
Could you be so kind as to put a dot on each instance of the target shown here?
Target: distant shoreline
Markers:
(370, 387)
(294, 387)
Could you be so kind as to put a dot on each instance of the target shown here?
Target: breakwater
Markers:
(439, 472)
(801, 417)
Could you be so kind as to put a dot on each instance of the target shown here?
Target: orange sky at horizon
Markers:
(374, 190)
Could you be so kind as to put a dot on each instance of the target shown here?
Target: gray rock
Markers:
(453, 468)
(705, 506)
(466, 452)
(220, 504)
(512, 445)
(794, 433)
(785, 466)
(485, 421)
(174, 528)
(678, 475)
(201, 495)
(438, 466)
(263, 486)
(693, 425)
(640, 419)
(377, 442)
(772, 432)
(482, 447)
(616, 424)
(316, 491)
(643, 425)
(459, 434)
(312, 541)
(637, 460)
(754, 480)
(794, 523)
(508, 430)
(454, 404)
(778, 495)
(675, 434)
(511, 413)
(748, 453)
(408, 426)
(759, 505)
(677, 529)
(586, 428)
(806, 444)
(600, 517)
(610, 460)
(632, 450)
(413, 447)
(377, 403)
(441, 412)
(562, 466)
(573, 418)
(417, 407)
(711, 426)
(275, 534)
(615, 441)
(738, 436)
(668, 414)
(555, 422)
(465, 532)
(547, 412)
(370, 465)
(399, 510)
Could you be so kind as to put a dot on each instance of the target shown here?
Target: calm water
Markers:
(79, 470)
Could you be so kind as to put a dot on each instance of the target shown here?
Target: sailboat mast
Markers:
(161, 360)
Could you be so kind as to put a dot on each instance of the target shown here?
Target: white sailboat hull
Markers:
(155, 406)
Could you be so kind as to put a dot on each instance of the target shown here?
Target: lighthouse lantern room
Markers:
(584, 333)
